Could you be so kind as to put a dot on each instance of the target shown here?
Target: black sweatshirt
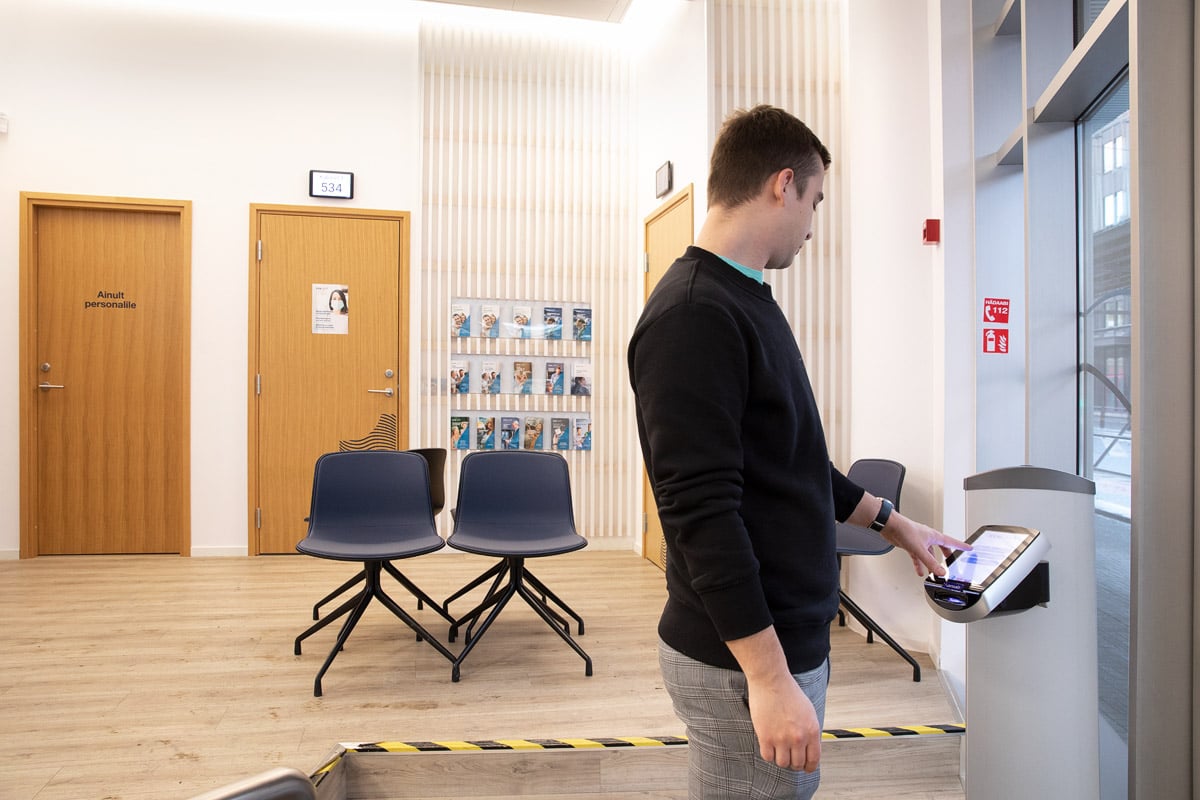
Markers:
(732, 440)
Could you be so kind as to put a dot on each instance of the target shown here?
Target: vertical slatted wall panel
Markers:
(789, 53)
(528, 195)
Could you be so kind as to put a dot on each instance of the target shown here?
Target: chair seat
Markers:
(527, 541)
(855, 541)
(370, 542)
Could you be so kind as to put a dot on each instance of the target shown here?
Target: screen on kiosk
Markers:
(991, 549)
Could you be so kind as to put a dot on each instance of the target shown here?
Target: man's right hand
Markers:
(784, 719)
(785, 723)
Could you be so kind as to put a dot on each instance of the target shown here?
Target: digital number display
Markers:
(331, 184)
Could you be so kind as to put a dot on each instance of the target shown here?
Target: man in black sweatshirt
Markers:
(734, 447)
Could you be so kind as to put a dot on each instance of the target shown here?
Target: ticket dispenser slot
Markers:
(1003, 573)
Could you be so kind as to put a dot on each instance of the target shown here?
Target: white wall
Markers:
(672, 99)
(896, 289)
(220, 111)
(957, 146)
(671, 86)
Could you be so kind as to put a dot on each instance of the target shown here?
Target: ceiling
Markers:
(596, 10)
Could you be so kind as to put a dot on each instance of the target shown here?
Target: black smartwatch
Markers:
(885, 511)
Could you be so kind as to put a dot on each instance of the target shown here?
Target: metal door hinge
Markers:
(258, 518)
(258, 384)
(645, 262)
(259, 250)
(645, 523)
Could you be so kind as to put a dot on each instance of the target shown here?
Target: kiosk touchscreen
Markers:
(977, 581)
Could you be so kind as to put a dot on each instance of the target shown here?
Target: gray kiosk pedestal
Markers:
(1032, 716)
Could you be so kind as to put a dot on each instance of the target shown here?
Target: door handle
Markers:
(388, 391)
(44, 386)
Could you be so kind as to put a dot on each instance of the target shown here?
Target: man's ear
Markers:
(780, 183)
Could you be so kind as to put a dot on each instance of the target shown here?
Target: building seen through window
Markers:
(1105, 432)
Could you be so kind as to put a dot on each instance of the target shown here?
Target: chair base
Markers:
(510, 578)
(873, 628)
(355, 606)
(359, 578)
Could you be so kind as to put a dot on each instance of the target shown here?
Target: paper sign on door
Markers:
(330, 308)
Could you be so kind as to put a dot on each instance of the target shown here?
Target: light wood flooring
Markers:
(138, 677)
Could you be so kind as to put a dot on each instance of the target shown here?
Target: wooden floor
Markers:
(164, 677)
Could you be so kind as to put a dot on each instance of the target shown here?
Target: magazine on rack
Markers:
(581, 324)
(522, 377)
(489, 320)
(560, 433)
(460, 320)
(554, 377)
(485, 433)
(552, 322)
(583, 433)
(533, 433)
(490, 378)
(460, 433)
(581, 378)
(510, 433)
(460, 377)
(520, 325)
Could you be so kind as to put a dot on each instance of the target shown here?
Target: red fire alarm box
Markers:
(931, 233)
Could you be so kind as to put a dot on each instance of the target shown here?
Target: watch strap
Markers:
(885, 511)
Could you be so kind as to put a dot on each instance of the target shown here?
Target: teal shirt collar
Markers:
(755, 274)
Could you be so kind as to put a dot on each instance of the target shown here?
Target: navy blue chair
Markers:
(373, 507)
(514, 505)
(882, 478)
(436, 458)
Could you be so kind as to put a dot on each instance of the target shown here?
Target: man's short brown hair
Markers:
(754, 145)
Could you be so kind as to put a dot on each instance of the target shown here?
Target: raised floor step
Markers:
(895, 762)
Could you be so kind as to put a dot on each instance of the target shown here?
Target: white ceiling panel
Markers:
(596, 10)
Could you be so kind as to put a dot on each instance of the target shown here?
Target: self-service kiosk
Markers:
(1027, 591)
(1002, 573)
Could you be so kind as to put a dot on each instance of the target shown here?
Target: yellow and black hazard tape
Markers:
(524, 745)
(527, 745)
(883, 733)
(517, 744)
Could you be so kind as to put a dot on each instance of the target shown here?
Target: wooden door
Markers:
(105, 375)
(329, 362)
(669, 230)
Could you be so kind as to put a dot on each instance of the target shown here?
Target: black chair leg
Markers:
(364, 599)
(422, 598)
(490, 598)
(496, 601)
(339, 612)
(492, 571)
(356, 579)
(532, 580)
(537, 605)
(355, 609)
(872, 625)
(408, 620)
(498, 597)
(416, 591)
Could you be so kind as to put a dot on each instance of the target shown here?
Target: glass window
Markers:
(1105, 437)
(1086, 12)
